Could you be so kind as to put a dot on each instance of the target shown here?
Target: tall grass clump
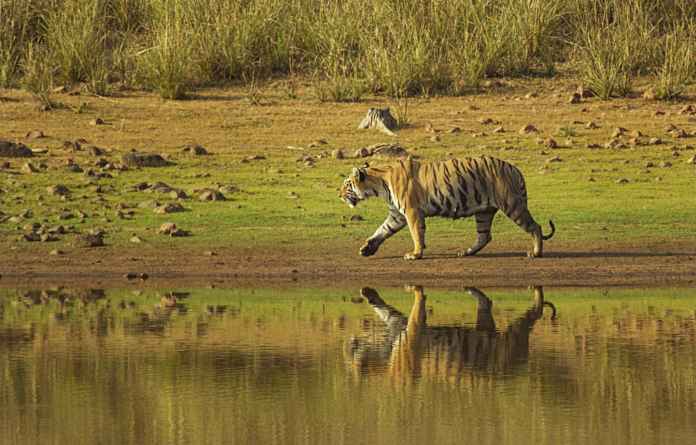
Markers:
(678, 67)
(75, 36)
(38, 75)
(16, 20)
(166, 63)
(336, 43)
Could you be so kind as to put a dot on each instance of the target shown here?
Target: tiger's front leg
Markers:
(416, 224)
(394, 222)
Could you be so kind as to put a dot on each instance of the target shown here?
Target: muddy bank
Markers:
(566, 265)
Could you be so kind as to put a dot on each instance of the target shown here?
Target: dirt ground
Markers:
(502, 265)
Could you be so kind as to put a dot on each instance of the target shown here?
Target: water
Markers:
(298, 365)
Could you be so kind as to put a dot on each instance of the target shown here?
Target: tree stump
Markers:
(381, 119)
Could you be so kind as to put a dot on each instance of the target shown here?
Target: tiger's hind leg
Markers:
(484, 220)
(523, 218)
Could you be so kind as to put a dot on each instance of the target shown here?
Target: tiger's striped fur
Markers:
(456, 188)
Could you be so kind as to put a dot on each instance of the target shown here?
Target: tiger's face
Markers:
(356, 187)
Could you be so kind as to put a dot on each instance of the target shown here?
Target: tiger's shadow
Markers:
(408, 348)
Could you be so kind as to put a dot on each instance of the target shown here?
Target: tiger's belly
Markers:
(454, 210)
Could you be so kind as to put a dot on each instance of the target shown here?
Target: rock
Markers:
(454, 130)
(97, 121)
(575, 98)
(531, 95)
(435, 138)
(614, 143)
(254, 158)
(691, 160)
(634, 141)
(670, 127)
(58, 189)
(337, 154)
(594, 145)
(635, 134)
(688, 109)
(56, 252)
(388, 151)
(74, 168)
(31, 237)
(554, 159)
(488, 121)
(649, 164)
(658, 113)
(357, 218)
(90, 240)
(551, 143)
(380, 119)
(498, 129)
(362, 153)
(649, 94)
(591, 125)
(48, 237)
(13, 150)
(172, 207)
(34, 134)
(678, 133)
(172, 230)
(195, 149)
(29, 168)
(665, 164)
(317, 143)
(95, 151)
(529, 128)
(135, 239)
(622, 181)
(584, 92)
(618, 131)
(65, 215)
(655, 141)
(178, 194)
(137, 159)
(210, 195)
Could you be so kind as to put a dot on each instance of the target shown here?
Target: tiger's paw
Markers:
(413, 256)
(369, 248)
(467, 252)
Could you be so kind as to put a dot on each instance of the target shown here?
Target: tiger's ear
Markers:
(359, 173)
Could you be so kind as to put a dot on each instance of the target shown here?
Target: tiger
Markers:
(408, 347)
(455, 188)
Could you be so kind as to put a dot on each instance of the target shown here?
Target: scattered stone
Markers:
(594, 145)
(381, 119)
(74, 168)
(575, 98)
(65, 215)
(688, 109)
(658, 113)
(529, 128)
(614, 143)
(254, 158)
(622, 181)
(636, 134)
(498, 129)
(362, 153)
(584, 92)
(678, 133)
(14, 150)
(293, 195)
(172, 207)
(97, 121)
(29, 168)
(209, 253)
(435, 138)
(691, 160)
(95, 151)
(670, 127)
(95, 239)
(655, 141)
(649, 94)
(195, 149)
(357, 218)
(454, 130)
(488, 121)
(554, 159)
(58, 190)
(48, 238)
(178, 194)
(430, 129)
(337, 154)
(172, 230)
(649, 164)
(634, 141)
(137, 159)
(34, 134)
(551, 143)
(210, 195)
(31, 237)
(531, 95)
(618, 131)
(317, 143)
(665, 164)
(388, 151)
(56, 252)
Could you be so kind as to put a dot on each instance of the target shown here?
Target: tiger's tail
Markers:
(550, 235)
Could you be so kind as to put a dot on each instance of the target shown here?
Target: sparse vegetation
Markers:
(349, 48)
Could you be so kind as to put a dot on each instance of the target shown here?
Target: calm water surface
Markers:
(334, 366)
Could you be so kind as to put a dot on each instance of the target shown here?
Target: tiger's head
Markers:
(359, 185)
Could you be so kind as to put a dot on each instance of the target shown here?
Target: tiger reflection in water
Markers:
(408, 347)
